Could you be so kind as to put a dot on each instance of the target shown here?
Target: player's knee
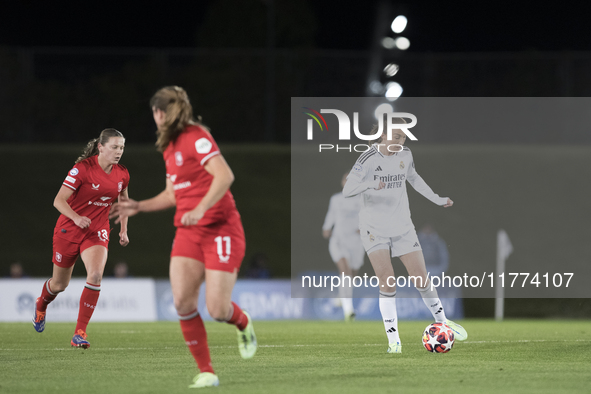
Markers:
(184, 305)
(179, 305)
(388, 284)
(58, 287)
(388, 289)
(218, 312)
(94, 278)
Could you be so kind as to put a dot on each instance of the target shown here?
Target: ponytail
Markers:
(91, 148)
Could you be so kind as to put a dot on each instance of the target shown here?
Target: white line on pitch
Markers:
(304, 345)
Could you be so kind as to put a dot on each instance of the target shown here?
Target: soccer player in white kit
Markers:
(386, 230)
(341, 225)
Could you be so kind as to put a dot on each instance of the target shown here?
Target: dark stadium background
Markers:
(68, 70)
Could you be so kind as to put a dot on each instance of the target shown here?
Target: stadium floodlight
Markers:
(383, 109)
(393, 91)
(391, 69)
(388, 42)
(399, 24)
(376, 87)
(402, 43)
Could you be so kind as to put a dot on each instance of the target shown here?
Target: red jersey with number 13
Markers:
(185, 158)
(94, 193)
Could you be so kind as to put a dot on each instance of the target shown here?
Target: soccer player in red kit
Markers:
(209, 242)
(83, 229)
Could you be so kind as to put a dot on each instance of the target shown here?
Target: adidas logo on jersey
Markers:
(416, 245)
(105, 198)
(379, 168)
(95, 187)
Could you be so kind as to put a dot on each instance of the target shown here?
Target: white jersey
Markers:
(386, 212)
(343, 216)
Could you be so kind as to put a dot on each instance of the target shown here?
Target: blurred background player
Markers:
(209, 243)
(380, 176)
(434, 250)
(121, 270)
(341, 225)
(83, 229)
(17, 271)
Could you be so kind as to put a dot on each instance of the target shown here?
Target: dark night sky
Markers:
(441, 26)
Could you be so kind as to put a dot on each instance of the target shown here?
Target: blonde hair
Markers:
(174, 102)
(375, 128)
(91, 148)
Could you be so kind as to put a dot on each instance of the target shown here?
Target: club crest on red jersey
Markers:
(119, 187)
(178, 158)
(58, 257)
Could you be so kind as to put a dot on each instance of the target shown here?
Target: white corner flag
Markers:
(504, 249)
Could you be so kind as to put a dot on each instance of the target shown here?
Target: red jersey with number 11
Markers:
(94, 193)
(185, 158)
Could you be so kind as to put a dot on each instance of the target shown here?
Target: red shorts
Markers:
(65, 252)
(219, 246)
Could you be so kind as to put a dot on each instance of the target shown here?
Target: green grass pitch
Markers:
(516, 356)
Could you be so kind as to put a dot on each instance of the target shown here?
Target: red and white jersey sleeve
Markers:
(75, 177)
(185, 160)
(205, 148)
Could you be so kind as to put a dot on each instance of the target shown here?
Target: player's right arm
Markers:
(130, 207)
(357, 181)
(61, 204)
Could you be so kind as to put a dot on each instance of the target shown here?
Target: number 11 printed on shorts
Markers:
(220, 240)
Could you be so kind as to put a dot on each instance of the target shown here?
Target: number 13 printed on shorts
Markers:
(103, 235)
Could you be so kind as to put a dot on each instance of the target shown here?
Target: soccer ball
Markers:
(438, 338)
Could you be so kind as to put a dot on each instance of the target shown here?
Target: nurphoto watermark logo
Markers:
(345, 128)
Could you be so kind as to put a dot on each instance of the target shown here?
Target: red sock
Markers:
(196, 339)
(46, 297)
(238, 318)
(88, 301)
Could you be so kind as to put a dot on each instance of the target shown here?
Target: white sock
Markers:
(387, 302)
(347, 304)
(346, 295)
(431, 299)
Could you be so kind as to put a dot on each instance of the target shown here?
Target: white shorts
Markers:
(399, 246)
(349, 248)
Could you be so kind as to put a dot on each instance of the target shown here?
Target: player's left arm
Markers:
(123, 238)
(419, 184)
(223, 177)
